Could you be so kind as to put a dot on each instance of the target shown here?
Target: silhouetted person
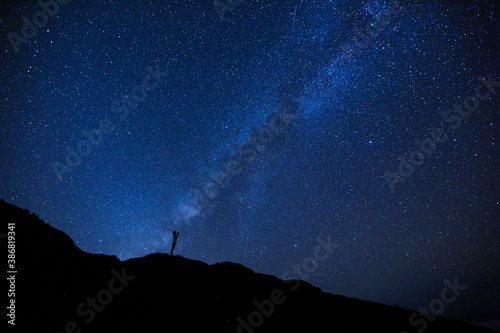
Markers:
(174, 241)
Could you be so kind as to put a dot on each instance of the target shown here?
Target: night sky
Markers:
(116, 117)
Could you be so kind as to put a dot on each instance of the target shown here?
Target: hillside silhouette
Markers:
(60, 288)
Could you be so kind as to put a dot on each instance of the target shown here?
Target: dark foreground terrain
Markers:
(60, 288)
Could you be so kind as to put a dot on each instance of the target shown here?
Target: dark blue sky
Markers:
(354, 104)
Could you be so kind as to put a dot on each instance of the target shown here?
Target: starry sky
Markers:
(116, 115)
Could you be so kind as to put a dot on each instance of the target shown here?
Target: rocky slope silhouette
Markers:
(60, 288)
